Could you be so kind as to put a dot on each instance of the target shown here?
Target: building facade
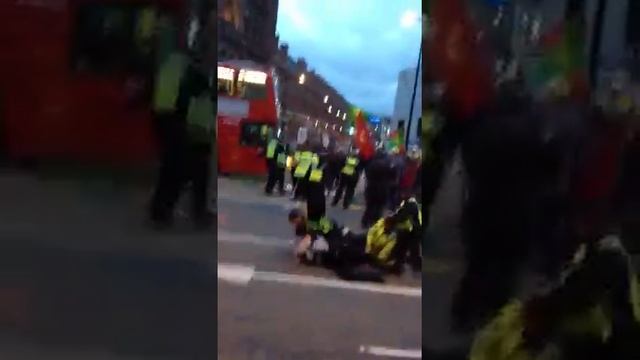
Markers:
(309, 101)
(247, 29)
(402, 119)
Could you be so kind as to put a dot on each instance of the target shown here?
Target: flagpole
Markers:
(413, 99)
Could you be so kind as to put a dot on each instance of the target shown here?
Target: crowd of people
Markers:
(392, 219)
(545, 195)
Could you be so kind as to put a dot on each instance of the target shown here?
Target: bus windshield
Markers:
(226, 78)
(252, 84)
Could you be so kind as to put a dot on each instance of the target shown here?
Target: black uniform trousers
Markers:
(346, 185)
(316, 201)
(172, 143)
(376, 197)
(181, 162)
(275, 177)
(302, 184)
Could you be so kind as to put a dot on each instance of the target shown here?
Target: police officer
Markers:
(592, 311)
(406, 221)
(349, 175)
(276, 158)
(302, 172)
(294, 163)
(316, 201)
(335, 162)
(171, 133)
(197, 99)
(184, 111)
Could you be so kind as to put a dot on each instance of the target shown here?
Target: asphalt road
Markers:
(273, 308)
(82, 276)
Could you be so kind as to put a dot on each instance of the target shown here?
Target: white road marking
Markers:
(282, 202)
(243, 274)
(337, 284)
(232, 237)
(236, 274)
(389, 352)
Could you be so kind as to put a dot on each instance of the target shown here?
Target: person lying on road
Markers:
(326, 243)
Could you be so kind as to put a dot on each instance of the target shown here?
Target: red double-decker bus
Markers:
(247, 111)
(76, 77)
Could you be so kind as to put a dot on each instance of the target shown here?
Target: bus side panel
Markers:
(233, 158)
(265, 109)
(51, 112)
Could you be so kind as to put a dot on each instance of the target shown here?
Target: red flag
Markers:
(457, 57)
(363, 139)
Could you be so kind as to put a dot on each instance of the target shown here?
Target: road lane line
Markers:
(306, 280)
(244, 274)
(282, 202)
(236, 274)
(231, 237)
(390, 352)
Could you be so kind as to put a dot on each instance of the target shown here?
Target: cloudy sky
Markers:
(358, 46)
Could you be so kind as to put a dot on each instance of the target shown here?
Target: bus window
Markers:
(225, 81)
(252, 134)
(114, 38)
(252, 84)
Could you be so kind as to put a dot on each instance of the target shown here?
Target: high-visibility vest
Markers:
(281, 159)
(200, 118)
(316, 175)
(200, 113)
(324, 225)
(167, 82)
(304, 163)
(271, 148)
(380, 244)
(315, 160)
(501, 339)
(350, 165)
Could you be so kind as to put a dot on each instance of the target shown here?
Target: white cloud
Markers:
(296, 17)
(359, 46)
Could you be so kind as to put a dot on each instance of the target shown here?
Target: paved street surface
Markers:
(270, 307)
(83, 277)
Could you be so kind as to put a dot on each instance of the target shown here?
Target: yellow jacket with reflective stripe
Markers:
(501, 339)
(271, 148)
(349, 167)
(167, 82)
(304, 163)
(379, 244)
(200, 118)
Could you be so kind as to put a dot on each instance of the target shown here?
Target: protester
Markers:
(378, 176)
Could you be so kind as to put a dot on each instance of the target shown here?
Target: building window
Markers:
(254, 134)
(114, 39)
